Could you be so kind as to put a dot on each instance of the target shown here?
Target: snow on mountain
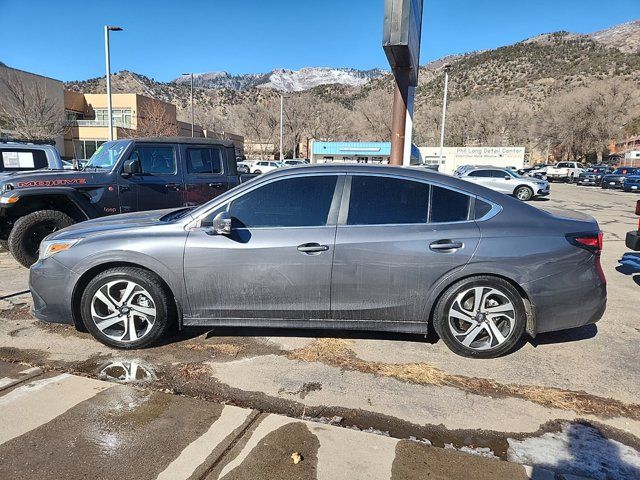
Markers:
(283, 79)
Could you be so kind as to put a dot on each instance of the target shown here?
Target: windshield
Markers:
(597, 169)
(106, 155)
(625, 171)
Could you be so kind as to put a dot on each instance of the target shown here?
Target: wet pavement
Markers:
(74, 427)
(401, 385)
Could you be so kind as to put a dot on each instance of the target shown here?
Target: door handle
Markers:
(445, 245)
(216, 185)
(311, 248)
(173, 186)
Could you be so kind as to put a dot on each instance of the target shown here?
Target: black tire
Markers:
(570, 179)
(523, 193)
(28, 231)
(160, 296)
(443, 307)
(257, 172)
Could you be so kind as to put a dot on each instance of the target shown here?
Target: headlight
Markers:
(51, 247)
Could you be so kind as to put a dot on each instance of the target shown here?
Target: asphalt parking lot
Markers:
(398, 385)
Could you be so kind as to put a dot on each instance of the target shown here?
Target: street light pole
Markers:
(444, 107)
(108, 29)
(192, 114)
(281, 124)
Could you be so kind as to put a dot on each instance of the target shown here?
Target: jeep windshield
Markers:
(106, 156)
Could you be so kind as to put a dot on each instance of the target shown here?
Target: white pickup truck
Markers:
(565, 171)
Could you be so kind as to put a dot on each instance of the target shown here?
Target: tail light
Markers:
(591, 242)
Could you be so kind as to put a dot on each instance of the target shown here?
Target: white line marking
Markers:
(197, 451)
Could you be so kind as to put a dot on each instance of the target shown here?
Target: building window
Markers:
(83, 149)
(121, 117)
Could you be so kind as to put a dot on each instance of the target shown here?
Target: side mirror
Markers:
(132, 167)
(221, 224)
(507, 177)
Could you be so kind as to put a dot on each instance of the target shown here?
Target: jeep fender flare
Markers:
(84, 209)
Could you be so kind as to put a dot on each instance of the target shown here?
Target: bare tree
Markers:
(373, 115)
(27, 110)
(154, 121)
(258, 122)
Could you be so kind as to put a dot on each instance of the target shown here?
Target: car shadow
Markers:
(565, 336)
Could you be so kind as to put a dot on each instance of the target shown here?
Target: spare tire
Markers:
(28, 231)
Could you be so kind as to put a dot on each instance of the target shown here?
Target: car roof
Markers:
(185, 140)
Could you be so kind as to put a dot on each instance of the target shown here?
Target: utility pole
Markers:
(108, 29)
(447, 68)
(192, 115)
(281, 125)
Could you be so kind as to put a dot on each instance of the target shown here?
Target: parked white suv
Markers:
(565, 171)
(506, 181)
(264, 166)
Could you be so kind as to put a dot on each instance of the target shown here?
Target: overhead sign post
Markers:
(401, 43)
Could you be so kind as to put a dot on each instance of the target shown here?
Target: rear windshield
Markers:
(13, 159)
(564, 165)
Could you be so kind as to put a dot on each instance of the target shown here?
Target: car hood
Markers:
(613, 177)
(112, 223)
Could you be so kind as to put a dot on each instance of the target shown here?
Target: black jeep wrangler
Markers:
(122, 176)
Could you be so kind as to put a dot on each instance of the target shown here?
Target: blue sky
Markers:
(162, 38)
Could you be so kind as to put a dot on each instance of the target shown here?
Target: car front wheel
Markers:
(126, 308)
(524, 193)
(481, 317)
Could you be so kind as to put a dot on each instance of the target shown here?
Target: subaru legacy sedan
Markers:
(346, 247)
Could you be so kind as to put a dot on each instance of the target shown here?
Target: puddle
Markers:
(127, 371)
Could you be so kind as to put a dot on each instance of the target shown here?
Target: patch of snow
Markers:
(578, 449)
(485, 452)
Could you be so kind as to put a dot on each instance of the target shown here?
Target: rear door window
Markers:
(481, 173)
(449, 205)
(387, 200)
(204, 160)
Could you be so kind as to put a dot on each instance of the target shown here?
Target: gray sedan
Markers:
(357, 247)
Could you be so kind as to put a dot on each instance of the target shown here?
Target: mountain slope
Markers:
(283, 79)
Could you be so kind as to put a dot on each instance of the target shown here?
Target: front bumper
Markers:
(543, 192)
(51, 285)
(589, 181)
(633, 240)
(609, 183)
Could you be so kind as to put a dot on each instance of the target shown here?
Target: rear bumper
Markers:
(51, 285)
(633, 240)
(568, 300)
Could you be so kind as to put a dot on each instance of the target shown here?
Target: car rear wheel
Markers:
(126, 308)
(258, 172)
(28, 231)
(481, 317)
(524, 193)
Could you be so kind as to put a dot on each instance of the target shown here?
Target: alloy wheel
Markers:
(523, 193)
(123, 310)
(481, 318)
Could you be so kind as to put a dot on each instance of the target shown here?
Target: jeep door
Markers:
(276, 262)
(204, 176)
(159, 183)
(396, 239)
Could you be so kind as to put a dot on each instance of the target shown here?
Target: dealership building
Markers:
(354, 152)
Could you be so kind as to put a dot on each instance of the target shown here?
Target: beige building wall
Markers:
(53, 89)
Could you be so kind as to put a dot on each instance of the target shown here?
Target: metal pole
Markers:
(192, 115)
(108, 65)
(281, 125)
(399, 115)
(444, 109)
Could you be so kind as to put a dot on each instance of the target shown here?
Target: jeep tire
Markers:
(28, 231)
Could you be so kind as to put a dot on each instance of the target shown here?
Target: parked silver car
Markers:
(505, 180)
(359, 247)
